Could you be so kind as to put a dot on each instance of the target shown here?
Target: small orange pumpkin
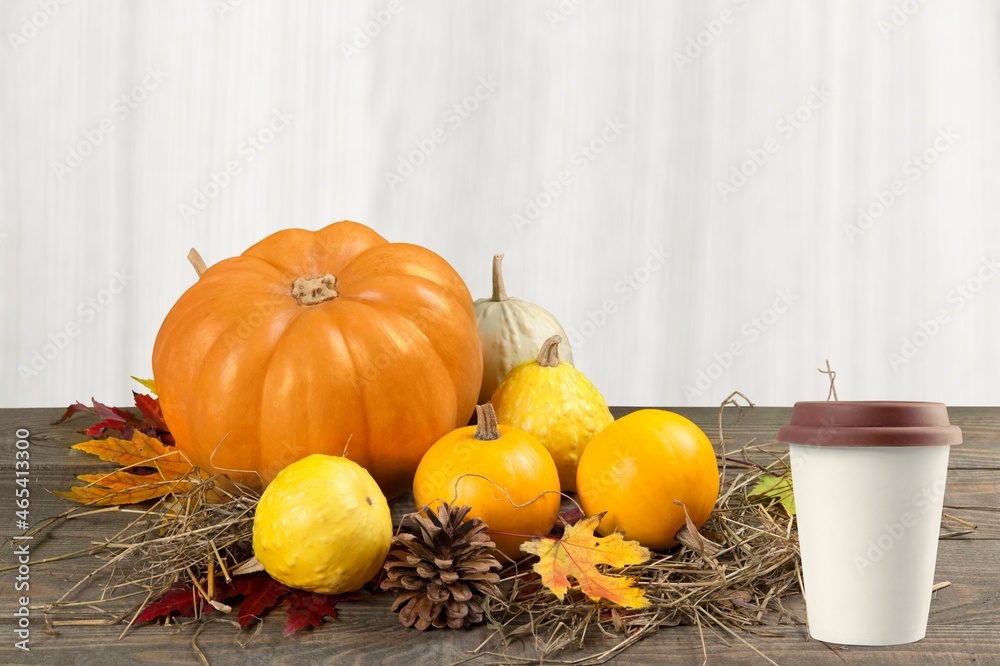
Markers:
(506, 476)
(637, 468)
(313, 342)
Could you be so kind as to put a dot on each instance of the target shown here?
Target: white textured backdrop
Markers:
(116, 116)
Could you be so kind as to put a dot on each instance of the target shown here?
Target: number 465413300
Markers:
(22, 471)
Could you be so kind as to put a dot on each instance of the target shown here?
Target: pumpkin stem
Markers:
(548, 357)
(499, 293)
(486, 423)
(314, 290)
(199, 264)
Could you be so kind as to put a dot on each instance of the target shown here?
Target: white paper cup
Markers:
(868, 480)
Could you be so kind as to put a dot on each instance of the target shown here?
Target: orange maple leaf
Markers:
(578, 553)
(172, 472)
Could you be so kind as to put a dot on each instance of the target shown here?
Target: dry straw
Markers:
(197, 537)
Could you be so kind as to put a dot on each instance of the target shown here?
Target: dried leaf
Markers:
(255, 594)
(75, 408)
(149, 470)
(306, 609)
(578, 553)
(691, 537)
(259, 594)
(152, 415)
(103, 429)
(119, 488)
(149, 384)
(114, 422)
(180, 600)
(105, 413)
(141, 451)
(114, 414)
(777, 487)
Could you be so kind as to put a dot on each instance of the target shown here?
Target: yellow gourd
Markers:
(557, 404)
(322, 525)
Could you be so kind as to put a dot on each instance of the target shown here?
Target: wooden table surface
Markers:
(964, 624)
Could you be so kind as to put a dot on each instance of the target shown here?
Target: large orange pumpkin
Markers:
(317, 342)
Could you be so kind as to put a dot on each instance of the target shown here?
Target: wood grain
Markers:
(964, 624)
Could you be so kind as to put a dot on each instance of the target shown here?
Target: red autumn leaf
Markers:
(151, 413)
(259, 594)
(120, 424)
(306, 609)
(152, 416)
(254, 595)
(75, 408)
(567, 518)
(179, 599)
(109, 429)
(572, 516)
(114, 417)
(114, 414)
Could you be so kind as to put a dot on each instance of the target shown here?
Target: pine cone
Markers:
(440, 568)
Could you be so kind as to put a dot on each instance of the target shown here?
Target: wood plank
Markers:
(677, 645)
(351, 641)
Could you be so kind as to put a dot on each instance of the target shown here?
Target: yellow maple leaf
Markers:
(172, 472)
(148, 383)
(578, 553)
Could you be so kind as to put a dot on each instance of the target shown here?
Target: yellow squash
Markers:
(557, 404)
(322, 525)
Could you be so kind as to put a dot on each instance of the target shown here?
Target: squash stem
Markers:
(486, 423)
(499, 292)
(548, 357)
(197, 262)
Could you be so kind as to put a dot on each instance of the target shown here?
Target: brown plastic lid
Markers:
(870, 423)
